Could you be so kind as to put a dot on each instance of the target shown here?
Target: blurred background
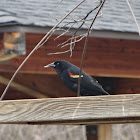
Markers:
(112, 57)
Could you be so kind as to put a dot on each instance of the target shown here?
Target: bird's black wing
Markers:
(88, 85)
(92, 86)
(70, 77)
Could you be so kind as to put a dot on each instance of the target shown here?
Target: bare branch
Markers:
(71, 41)
(133, 16)
(65, 31)
(87, 16)
(85, 46)
(59, 52)
(72, 45)
(43, 40)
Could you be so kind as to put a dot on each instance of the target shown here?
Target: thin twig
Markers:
(133, 16)
(83, 20)
(65, 31)
(42, 41)
(59, 52)
(49, 35)
(87, 16)
(85, 46)
(71, 41)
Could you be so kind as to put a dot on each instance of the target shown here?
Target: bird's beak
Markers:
(50, 65)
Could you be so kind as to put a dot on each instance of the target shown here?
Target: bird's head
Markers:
(59, 65)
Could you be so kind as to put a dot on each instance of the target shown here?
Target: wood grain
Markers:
(104, 56)
(52, 86)
(104, 132)
(49, 85)
(22, 88)
(72, 110)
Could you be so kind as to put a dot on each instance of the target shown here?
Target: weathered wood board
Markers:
(72, 110)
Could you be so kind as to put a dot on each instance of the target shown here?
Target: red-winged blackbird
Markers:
(69, 74)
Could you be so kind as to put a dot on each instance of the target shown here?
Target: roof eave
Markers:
(96, 33)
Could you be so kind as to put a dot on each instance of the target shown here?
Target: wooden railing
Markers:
(72, 110)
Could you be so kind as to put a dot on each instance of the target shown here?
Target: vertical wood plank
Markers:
(104, 132)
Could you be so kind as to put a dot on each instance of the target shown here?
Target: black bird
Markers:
(69, 74)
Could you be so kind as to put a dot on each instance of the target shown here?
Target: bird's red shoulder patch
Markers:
(74, 76)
